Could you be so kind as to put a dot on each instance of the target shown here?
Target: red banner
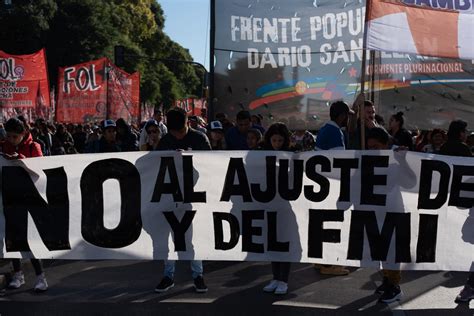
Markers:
(24, 85)
(123, 94)
(193, 106)
(85, 95)
(82, 92)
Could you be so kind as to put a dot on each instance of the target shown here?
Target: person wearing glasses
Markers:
(152, 129)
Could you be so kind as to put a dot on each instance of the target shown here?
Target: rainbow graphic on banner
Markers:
(328, 88)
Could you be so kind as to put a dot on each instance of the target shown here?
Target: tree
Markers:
(76, 31)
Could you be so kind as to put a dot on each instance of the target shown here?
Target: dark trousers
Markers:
(35, 262)
(281, 271)
(470, 280)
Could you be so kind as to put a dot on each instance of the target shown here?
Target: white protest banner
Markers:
(386, 209)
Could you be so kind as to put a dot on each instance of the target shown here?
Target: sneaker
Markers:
(18, 280)
(383, 287)
(165, 284)
(271, 287)
(199, 285)
(282, 288)
(41, 283)
(392, 293)
(466, 294)
(333, 270)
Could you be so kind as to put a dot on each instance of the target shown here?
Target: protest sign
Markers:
(97, 90)
(288, 60)
(357, 208)
(24, 85)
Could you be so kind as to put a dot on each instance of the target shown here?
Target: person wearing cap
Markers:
(157, 116)
(217, 136)
(331, 137)
(107, 142)
(152, 128)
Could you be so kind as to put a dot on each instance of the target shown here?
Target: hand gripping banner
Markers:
(395, 210)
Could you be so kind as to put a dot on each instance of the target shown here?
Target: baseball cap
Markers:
(215, 125)
(151, 122)
(109, 123)
(338, 108)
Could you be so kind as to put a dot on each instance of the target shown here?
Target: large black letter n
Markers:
(51, 218)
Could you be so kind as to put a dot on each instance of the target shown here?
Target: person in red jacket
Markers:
(19, 144)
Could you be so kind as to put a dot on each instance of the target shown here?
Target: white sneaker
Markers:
(282, 288)
(18, 280)
(270, 288)
(41, 283)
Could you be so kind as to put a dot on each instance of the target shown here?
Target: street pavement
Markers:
(235, 288)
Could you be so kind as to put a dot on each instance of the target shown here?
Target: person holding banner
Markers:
(331, 137)
(277, 137)
(181, 137)
(19, 144)
(379, 139)
(456, 146)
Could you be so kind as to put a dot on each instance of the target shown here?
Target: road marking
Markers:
(143, 300)
(190, 300)
(304, 304)
(119, 295)
(88, 268)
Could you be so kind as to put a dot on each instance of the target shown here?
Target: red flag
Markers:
(396, 26)
(82, 92)
(22, 79)
(123, 94)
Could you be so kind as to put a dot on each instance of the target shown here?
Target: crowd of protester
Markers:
(19, 139)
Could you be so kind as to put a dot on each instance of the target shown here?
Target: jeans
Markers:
(393, 276)
(196, 268)
(35, 262)
(281, 271)
(470, 281)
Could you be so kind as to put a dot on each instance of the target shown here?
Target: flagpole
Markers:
(362, 79)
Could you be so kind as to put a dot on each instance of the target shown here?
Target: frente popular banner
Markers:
(396, 210)
(96, 90)
(288, 60)
(24, 85)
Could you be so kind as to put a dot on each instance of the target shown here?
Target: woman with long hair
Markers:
(277, 137)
